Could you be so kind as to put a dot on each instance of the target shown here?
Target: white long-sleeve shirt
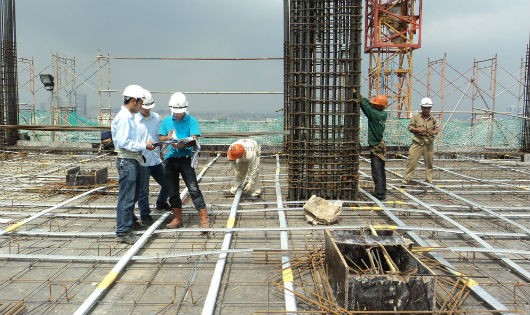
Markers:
(251, 156)
(148, 131)
(125, 132)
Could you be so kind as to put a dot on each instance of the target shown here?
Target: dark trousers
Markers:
(182, 166)
(378, 176)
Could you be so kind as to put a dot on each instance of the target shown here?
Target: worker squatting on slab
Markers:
(244, 157)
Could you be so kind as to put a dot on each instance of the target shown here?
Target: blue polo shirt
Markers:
(186, 127)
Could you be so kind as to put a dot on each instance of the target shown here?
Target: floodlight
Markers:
(47, 80)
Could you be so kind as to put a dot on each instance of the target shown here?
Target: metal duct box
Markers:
(78, 177)
(377, 273)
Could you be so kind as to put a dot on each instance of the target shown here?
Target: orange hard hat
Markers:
(235, 152)
(380, 99)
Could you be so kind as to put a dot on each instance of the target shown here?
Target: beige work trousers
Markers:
(417, 150)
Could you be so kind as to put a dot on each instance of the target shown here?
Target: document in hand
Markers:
(188, 141)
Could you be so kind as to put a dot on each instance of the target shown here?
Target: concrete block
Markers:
(78, 177)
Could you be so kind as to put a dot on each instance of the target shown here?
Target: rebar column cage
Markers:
(322, 65)
(8, 73)
(525, 145)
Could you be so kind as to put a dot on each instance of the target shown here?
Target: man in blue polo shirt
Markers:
(181, 125)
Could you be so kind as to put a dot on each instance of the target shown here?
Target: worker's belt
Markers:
(180, 157)
(422, 140)
(379, 150)
(126, 154)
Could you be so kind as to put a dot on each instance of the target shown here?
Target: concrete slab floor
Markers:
(474, 216)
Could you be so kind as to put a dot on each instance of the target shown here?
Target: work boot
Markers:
(205, 223)
(147, 220)
(177, 219)
(127, 238)
(164, 207)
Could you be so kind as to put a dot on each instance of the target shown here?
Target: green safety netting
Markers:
(502, 134)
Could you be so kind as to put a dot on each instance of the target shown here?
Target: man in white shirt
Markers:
(148, 127)
(129, 148)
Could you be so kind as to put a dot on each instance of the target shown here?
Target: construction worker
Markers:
(178, 160)
(129, 148)
(374, 110)
(424, 127)
(244, 157)
(148, 128)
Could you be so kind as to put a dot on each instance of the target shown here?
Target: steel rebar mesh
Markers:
(323, 63)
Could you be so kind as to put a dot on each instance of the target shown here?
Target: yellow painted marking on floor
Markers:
(108, 280)
(385, 227)
(14, 226)
(287, 275)
(396, 202)
(524, 187)
(440, 186)
(400, 190)
(230, 222)
(425, 249)
(366, 208)
(467, 280)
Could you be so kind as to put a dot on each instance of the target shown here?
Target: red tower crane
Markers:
(392, 32)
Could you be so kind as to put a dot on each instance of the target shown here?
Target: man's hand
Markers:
(248, 185)
(149, 146)
(421, 130)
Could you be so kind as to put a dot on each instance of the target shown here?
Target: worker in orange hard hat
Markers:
(374, 110)
(244, 157)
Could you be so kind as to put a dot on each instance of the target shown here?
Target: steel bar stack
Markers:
(322, 65)
(8, 73)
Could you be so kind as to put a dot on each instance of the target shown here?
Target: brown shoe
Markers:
(205, 223)
(176, 222)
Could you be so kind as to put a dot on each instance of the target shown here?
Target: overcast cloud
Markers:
(233, 29)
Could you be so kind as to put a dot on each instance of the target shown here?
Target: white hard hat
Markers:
(426, 102)
(134, 91)
(178, 103)
(148, 102)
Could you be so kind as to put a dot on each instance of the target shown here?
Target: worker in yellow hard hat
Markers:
(374, 110)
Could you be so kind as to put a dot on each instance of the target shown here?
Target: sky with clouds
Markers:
(464, 30)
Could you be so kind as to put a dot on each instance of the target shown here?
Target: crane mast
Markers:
(392, 33)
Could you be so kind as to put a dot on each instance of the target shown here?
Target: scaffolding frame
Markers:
(525, 139)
